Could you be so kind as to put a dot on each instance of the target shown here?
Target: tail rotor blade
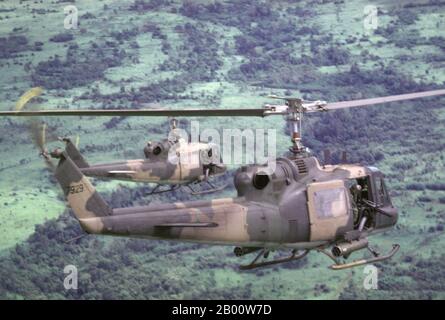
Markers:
(27, 96)
(38, 135)
(43, 136)
(37, 129)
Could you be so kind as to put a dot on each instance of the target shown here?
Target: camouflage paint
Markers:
(155, 169)
(277, 215)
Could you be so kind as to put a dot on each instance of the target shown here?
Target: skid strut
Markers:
(338, 265)
(157, 190)
(213, 189)
(265, 253)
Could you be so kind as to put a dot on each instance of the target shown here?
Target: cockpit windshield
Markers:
(382, 192)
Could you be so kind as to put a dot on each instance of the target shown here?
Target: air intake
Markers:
(301, 165)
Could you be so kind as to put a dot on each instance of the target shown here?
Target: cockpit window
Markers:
(382, 192)
(331, 203)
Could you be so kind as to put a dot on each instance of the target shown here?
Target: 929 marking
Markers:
(78, 188)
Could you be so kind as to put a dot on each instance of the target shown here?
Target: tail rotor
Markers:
(37, 128)
(38, 136)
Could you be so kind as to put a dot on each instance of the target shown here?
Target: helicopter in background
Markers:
(300, 206)
(173, 161)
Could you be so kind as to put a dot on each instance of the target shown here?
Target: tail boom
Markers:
(230, 221)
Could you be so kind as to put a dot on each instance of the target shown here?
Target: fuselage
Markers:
(145, 170)
(184, 164)
(300, 205)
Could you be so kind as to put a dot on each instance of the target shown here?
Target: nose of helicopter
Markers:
(395, 216)
(388, 218)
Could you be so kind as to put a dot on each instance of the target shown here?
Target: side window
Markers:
(331, 203)
(365, 192)
(382, 193)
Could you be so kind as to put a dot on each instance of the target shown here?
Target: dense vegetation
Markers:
(10, 46)
(38, 265)
(79, 68)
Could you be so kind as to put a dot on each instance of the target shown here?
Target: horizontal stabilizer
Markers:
(121, 172)
(191, 224)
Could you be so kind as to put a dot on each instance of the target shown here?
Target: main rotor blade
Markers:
(267, 110)
(141, 112)
(366, 102)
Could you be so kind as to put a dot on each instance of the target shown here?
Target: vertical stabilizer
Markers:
(78, 190)
(75, 155)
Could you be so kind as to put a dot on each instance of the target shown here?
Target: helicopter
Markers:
(301, 206)
(172, 161)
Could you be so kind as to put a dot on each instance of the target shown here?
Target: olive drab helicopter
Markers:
(301, 206)
(172, 161)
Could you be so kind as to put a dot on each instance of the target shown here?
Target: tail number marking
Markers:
(78, 188)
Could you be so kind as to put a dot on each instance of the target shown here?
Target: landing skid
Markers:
(265, 253)
(76, 238)
(338, 265)
(211, 190)
(157, 190)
